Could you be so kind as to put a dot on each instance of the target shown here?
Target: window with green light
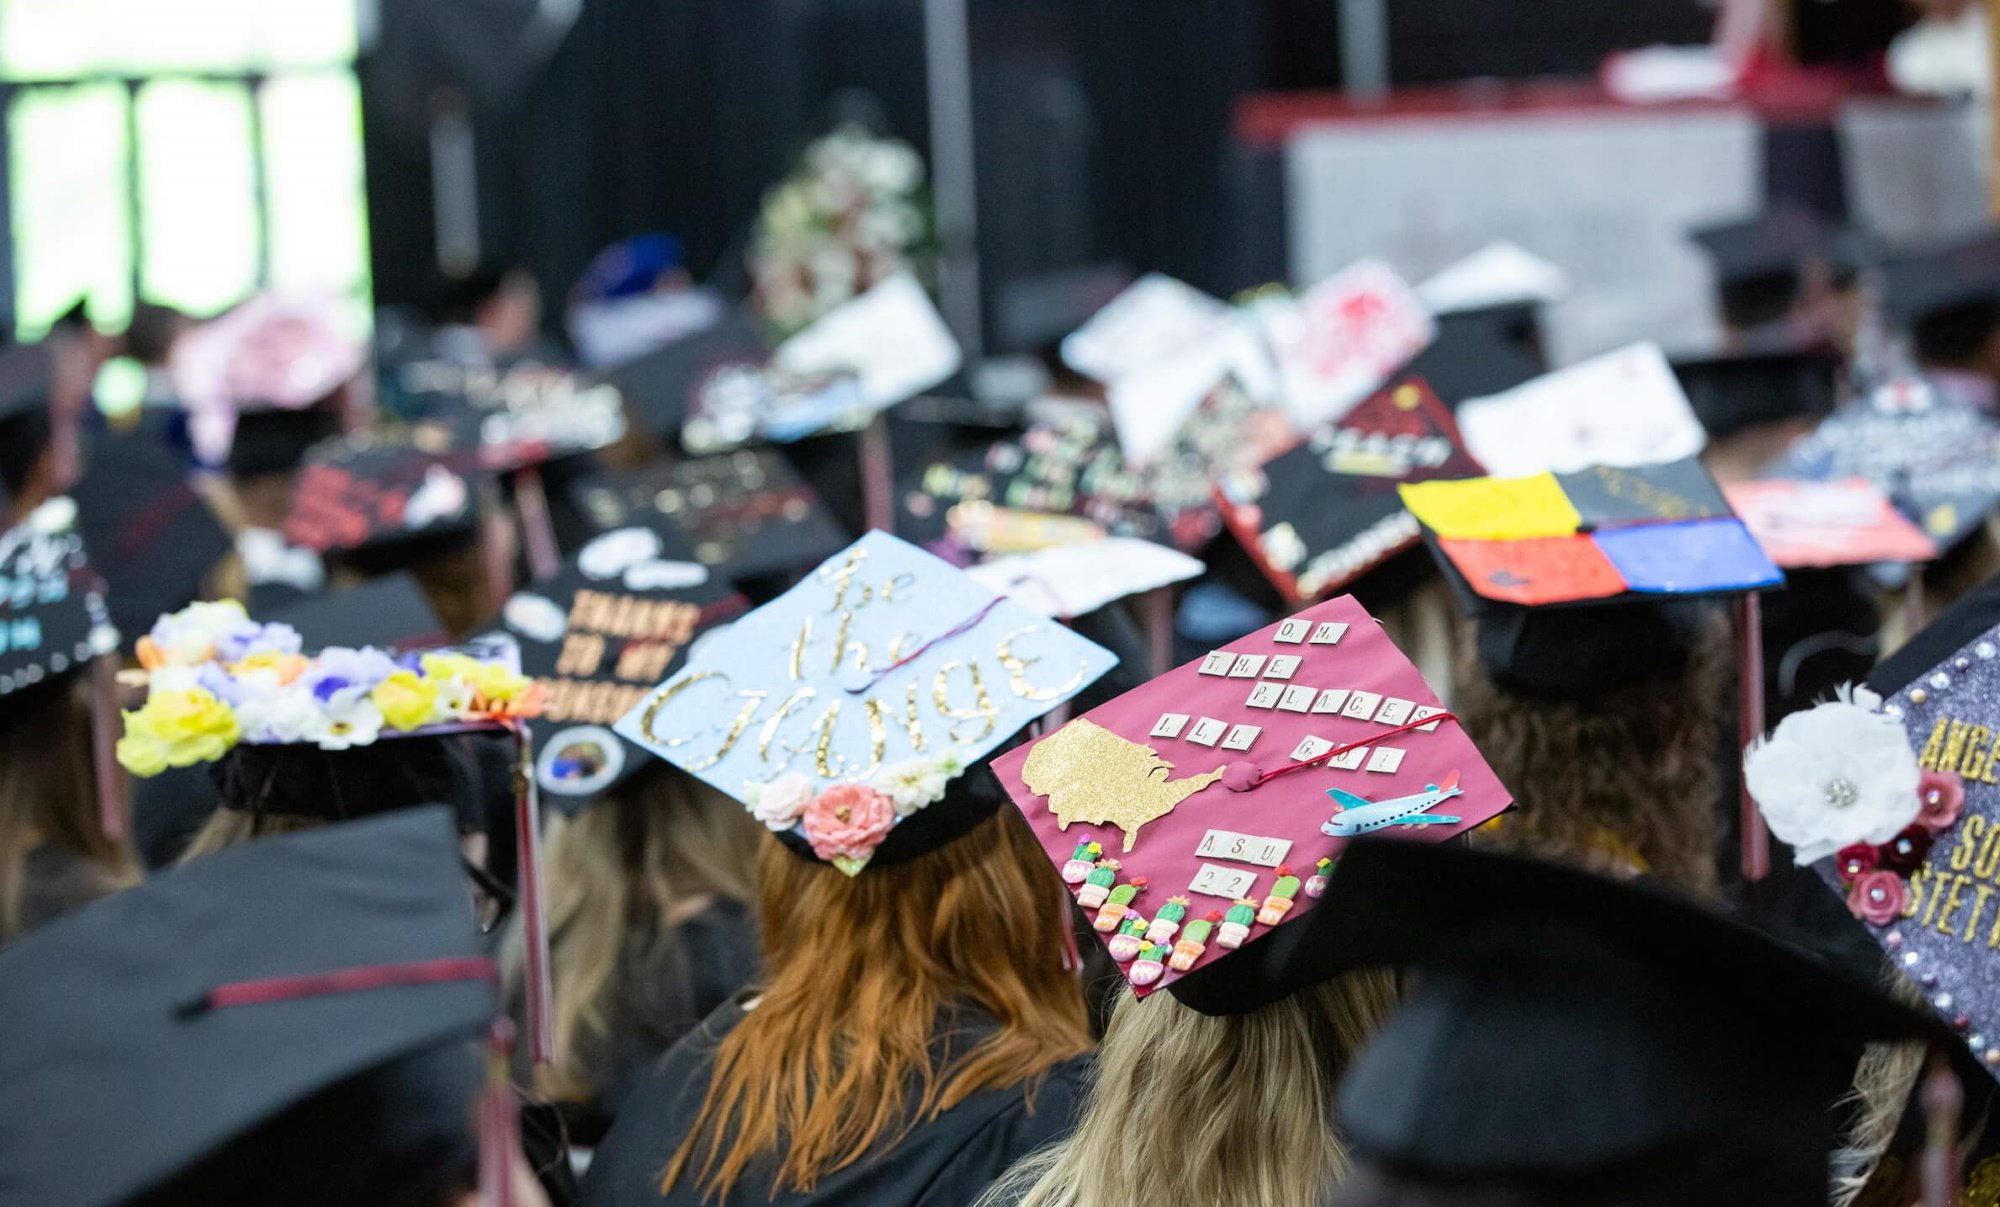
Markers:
(188, 152)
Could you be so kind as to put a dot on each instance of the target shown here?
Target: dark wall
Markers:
(1101, 130)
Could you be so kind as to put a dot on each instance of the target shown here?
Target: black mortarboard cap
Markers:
(1932, 283)
(274, 441)
(224, 999)
(1483, 351)
(1566, 1023)
(53, 618)
(661, 386)
(26, 371)
(152, 537)
(743, 514)
(597, 643)
(1774, 244)
(383, 504)
(1974, 613)
(1732, 392)
(391, 612)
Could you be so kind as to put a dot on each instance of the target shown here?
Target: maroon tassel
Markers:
(878, 487)
(1756, 840)
(104, 745)
(534, 907)
(538, 533)
(1156, 611)
(496, 550)
(1943, 1099)
(499, 1121)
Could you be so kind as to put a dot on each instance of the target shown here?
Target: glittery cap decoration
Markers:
(847, 706)
(1895, 802)
(1216, 781)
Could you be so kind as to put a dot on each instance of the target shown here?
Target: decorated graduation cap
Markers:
(614, 622)
(1889, 793)
(1841, 522)
(1321, 515)
(283, 1022)
(371, 494)
(53, 620)
(275, 352)
(1065, 581)
(1746, 389)
(1620, 408)
(150, 534)
(1944, 287)
(1211, 801)
(743, 514)
(846, 713)
(1569, 1029)
(1938, 462)
(517, 416)
(662, 387)
(1343, 337)
(1603, 533)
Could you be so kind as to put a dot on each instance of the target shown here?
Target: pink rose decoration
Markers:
(1940, 798)
(1855, 860)
(848, 821)
(1876, 898)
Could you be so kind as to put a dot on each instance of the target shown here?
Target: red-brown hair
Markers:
(862, 972)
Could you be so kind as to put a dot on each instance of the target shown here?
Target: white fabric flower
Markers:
(1834, 775)
(778, 803)
(913, 784)
(343, 726)
(282, 715)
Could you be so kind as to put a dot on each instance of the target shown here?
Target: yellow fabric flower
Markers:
(492, 683)
(288, 667)
(406, 701)
(450, 666)
(177, 729)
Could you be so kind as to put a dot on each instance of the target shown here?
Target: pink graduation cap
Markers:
(1217, 788)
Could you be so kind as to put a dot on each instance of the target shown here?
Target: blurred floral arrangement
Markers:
(854, 211)
(217, 678)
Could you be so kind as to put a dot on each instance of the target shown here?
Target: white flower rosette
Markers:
(1837, 774)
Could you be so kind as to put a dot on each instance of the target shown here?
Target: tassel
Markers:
(104, 745)
(534, 906)
(538, 533)
(1755, 839)
(1943, 1098)
(499, 1121)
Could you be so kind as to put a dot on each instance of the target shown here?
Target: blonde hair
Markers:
(1624, 783)
(226, 828)
(863, 975)
(1189, 1110)
(652, 851)
(48, 797)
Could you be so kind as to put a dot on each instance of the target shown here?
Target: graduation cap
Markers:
(890, 337)
(286, 1021)
(1483, 351)
(1323, 514)
(274, 441)
(512, 417)
(150, 535)
(1930, 291)
(385, 498)
(1605, 533)
(392, 612)
(1197, 816)
(1768, 252)
(1843, 522)
(274, 352)
(661, 387)
(1939, 463)
(1889, 795)
(26, 371)
(1341, 339)
(743, 514)
(1568, 1028)
(1621, 408)
(53, 620)
(846, 713)
(1733, 392)
(615, 621)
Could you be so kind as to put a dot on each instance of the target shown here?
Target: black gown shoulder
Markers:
(945, 1162)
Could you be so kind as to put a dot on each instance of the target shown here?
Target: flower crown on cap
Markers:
(218, 678)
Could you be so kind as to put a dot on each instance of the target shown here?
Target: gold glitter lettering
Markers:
(1934, 747)
(1974, 829)
(644, 661)
(667, 695)
(799, 649)
(770, 731)
(677, 625)
(1954, 745)
(879, 715)
(1931, 901)
(1992, 757)
(1950, 903)
(1017, 667)
(845, 578)
(823, 756)
(1978, 909)
(753, 699)
(900, 582)
(840, 642)
(1961, 851)
(581, 654)
(1091, 774)
(982, 706)
(1975, 751)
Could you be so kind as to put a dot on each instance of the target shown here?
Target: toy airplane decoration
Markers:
(1360, 816)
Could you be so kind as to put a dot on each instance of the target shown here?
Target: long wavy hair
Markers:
(654, 851)
(1243, 1103)
(863, 976)
(48, 797)
(1623, 783)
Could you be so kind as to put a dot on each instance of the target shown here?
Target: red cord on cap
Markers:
(1337, 751)
(348, 980)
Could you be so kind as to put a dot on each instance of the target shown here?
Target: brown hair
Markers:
(48, 797)
(1243, 1103)
(862, 974)
(1626, 782)
(653, 850)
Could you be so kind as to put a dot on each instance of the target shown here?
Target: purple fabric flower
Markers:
(254, 638)
(345, 674)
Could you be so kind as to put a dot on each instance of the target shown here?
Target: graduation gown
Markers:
(945, 1162)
